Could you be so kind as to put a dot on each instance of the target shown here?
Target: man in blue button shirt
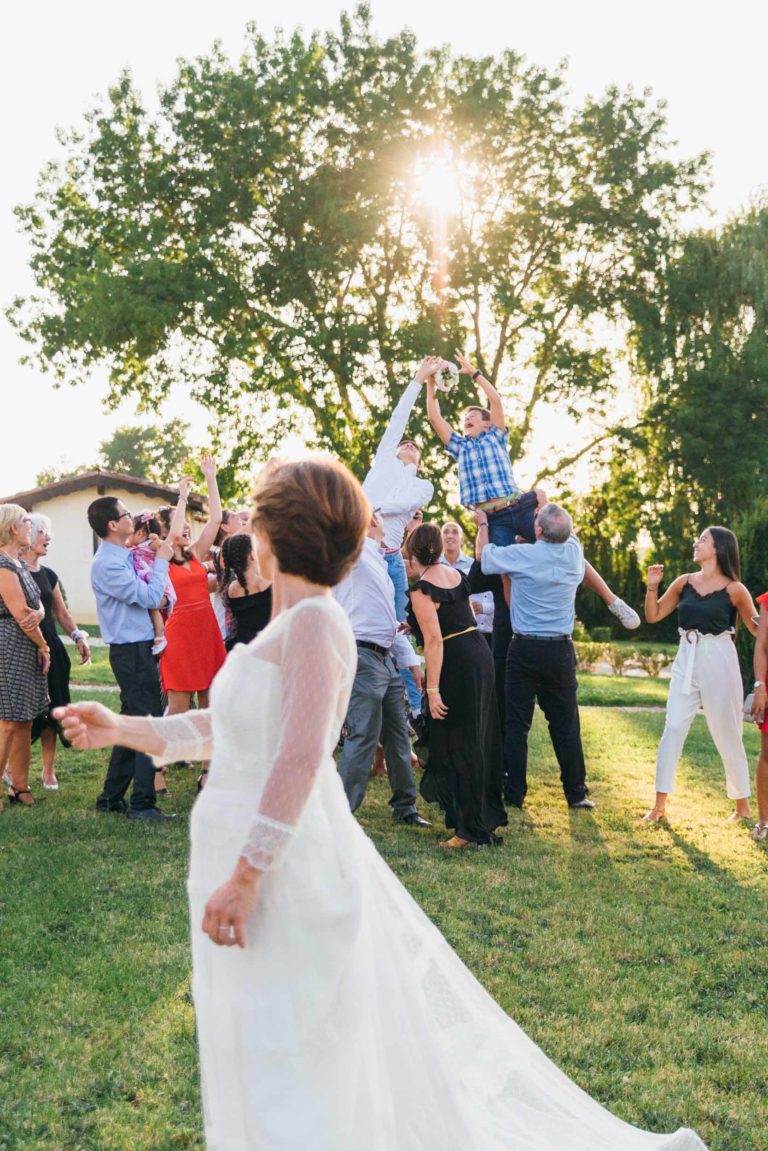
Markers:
(123, 602)
(541, 663)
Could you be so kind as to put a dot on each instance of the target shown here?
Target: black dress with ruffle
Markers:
(58, 674)
(464, 770)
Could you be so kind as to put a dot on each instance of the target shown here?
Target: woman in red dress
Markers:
(195, 649)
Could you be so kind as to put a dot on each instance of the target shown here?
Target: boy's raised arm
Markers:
(434, 415)
(495, 405)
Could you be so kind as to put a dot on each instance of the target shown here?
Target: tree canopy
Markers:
(288, 234)
(154, 452)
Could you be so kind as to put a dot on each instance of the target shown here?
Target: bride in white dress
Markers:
(332, 1015)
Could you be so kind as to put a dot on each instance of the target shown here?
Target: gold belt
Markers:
(455, 633)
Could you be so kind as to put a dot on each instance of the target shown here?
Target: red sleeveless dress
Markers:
(195, 650)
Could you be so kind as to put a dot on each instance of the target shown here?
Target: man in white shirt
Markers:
(377, 705)
(396, 490)
(393, 485)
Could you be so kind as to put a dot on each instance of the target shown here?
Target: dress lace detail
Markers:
(186, 736)
(341, 968)
(311, 651)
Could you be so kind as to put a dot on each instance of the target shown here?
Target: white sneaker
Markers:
(625, 614)
(161, 643)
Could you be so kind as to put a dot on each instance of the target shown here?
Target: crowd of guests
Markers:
(494, 628)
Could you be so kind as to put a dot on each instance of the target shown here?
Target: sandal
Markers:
(456, 841)
(759, 832)
(17, 794)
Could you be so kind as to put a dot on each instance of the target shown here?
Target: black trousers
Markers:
(135, 669)
(543, 670)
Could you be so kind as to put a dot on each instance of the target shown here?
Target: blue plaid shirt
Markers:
(485, 472)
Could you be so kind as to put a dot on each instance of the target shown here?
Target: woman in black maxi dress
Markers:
(45, 727)
(464, 769)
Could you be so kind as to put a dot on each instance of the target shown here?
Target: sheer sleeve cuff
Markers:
(186, 736)
(267, 843)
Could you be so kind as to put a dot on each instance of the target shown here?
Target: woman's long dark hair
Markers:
(235, 553)
(165, 515)
(726, 551)
(425, 544)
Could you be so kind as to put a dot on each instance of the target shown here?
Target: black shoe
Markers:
(510, 802)
(583, 805)
(115, 807)
(151, 815)
(413, 819)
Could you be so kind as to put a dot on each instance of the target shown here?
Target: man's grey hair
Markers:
(555, 524)
(39, 524)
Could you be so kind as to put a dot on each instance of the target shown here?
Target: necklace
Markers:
(13, 559)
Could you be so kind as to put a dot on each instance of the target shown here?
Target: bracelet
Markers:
(476, 374)
(78, 634)
(433, 691)
(484, 524)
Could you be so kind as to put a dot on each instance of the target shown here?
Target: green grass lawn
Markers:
(600, 690)
(97, 671)
(621, 690)
(634, 955)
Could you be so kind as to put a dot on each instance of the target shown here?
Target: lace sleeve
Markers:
(315, 657)
(186, 736)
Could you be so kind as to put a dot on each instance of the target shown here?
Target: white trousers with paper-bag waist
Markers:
(705, 674)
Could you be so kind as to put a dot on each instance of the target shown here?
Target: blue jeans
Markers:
(503, 526)
(396, 568)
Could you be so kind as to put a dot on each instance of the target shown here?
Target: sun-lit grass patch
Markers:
(635, 955)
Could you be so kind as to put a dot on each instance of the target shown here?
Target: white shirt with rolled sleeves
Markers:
(368, 597)
(393, 488)
(545, 577)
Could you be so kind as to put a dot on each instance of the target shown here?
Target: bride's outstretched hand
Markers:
(226, 912)
(88, 725)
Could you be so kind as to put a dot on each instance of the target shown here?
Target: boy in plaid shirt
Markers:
(487, 483)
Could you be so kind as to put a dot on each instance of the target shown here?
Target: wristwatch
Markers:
(476, 374)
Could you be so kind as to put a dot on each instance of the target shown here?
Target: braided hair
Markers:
(235, 553)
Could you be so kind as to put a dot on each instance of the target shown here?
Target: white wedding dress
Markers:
(347, 1023)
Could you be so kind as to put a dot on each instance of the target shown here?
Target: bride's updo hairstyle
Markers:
(425, 544)
(315, 516)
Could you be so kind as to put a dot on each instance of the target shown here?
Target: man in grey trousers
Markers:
(377, 704)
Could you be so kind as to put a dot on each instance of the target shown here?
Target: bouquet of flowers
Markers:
(446, 376)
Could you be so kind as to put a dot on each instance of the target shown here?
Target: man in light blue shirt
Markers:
(541, 664)
(123, 602)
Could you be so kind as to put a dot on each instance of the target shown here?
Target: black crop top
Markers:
(710, 614)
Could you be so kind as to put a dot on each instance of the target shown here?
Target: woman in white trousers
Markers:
(706, 668)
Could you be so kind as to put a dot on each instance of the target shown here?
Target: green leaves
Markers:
(263, 237)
